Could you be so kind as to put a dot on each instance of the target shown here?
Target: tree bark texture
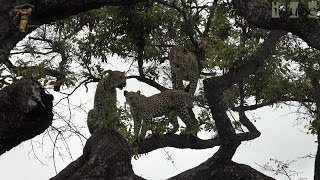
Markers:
(215, 86)
(258, 13)
(25, 112)
(221, 171)
(106, 155)
(45, 11)
(314, 79)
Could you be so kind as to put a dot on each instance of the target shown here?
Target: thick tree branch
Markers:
(231, 170)
(171, 5)
(48, 11)
(271, 102)
(25, 111)
(315, 82)
(106, 155)
(214, 88)
(253, 62)
(141, 45)
(258, 13)
(182, 142)
(242, 116)
(149, 82)
(45, 12)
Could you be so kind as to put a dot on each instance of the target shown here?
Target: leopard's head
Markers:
(117, 79)
(132, 98)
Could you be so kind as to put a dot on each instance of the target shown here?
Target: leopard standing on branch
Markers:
(143, 109)
(184, 66)
(105, 99)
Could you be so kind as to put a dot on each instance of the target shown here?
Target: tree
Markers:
(241, 62)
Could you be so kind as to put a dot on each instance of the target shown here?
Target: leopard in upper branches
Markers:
(186, 65)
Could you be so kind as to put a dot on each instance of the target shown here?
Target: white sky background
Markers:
(280, 139)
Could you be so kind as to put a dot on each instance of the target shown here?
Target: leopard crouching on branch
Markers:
(105, 99)
(184, 66)
(143, 109)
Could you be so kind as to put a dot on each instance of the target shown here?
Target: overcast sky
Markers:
(281, 139)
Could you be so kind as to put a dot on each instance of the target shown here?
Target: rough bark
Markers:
(314, 78)
(214, 88)
(258, 13)
(106, 155)
(222, 171)
(25, 112)
(45, 11)
(185, 141)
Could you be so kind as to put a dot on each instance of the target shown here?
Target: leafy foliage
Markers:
(79, 47)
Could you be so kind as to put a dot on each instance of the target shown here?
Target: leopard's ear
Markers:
(139, 92)
(125, 93)
(109, 72)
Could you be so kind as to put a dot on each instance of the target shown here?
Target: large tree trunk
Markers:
(222, 171)
(25, 112)
(107, 155)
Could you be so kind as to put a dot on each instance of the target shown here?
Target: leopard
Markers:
(105, 99)
(170, 103)
(184, 66)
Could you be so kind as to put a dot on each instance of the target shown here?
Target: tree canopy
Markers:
(251, 60)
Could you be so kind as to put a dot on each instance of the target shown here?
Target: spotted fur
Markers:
(143, 109)
(184, 66)
(105, 99)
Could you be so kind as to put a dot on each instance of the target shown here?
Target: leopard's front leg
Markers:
(178, 81)
(172, 116)
(145, 125)
(192, 125)
(193, 85)
(136, 124)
